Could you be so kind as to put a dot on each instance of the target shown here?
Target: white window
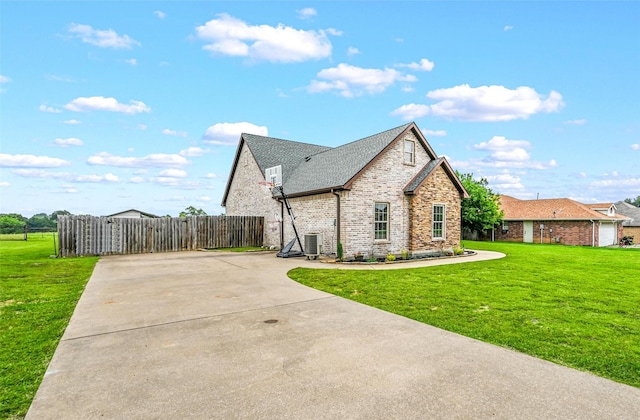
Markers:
(381, 222)
(438, 231)
(409, 152)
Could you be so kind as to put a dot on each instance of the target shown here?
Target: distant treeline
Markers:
(15, 223)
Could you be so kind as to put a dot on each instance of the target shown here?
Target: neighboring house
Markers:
(382, 194)
(135, 214)
(559, 220)
(631, 226)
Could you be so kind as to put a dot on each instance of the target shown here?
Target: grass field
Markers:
(37, 297)
(574, 306)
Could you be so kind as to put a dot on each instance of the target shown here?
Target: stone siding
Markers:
(437, 189)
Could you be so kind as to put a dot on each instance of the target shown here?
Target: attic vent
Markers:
(307, 159)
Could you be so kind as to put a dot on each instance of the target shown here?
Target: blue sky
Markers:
(106, 106)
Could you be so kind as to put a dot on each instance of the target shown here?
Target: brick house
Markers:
(559, 220)
(381, 194)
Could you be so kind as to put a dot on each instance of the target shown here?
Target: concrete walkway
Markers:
(222, 335)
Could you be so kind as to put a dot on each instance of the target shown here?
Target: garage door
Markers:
(607, 234)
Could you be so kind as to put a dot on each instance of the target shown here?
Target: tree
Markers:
(481, 211)
(635, 202)
(192, 211)
(55, 214)
(41, 222)
(11, 224)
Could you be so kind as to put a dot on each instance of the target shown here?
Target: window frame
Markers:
(385, 222)
(443, 222)
(412, 161)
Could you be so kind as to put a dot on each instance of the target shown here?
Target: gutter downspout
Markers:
(593, 233)
(337, 194)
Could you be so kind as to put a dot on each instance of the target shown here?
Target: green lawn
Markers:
(574, 306)
(37, 297)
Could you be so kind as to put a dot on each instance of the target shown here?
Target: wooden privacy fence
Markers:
(90, 235)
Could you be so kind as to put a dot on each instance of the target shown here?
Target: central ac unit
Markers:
(313, 245)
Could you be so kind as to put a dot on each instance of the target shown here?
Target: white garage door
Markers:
(607, 234)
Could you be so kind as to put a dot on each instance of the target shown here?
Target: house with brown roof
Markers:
(382, 194)
(560, 221)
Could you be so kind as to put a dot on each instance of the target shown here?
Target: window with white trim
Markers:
(438, 230)
(410, 152)
(381, 222)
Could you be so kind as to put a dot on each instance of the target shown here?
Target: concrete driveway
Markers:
(222, 335)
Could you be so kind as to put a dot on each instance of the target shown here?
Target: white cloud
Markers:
(31, 161)
(4, 184)
(231, 36)
(627, 182)
(153, 160)
(71, 141)
(72, 122)
(423, 65)
(131, 61)
(228, 134)
(435, 133)
(576, 122)
(136, 180)
(142, 127)
(411, 112)
(211, 175)
(4, 79)
(484, 103)
(45, 108)
(96, 178)
(635, 146)
(350, 81)
(66, 176)
(351, 51)
(102, 38)
(193, 152)
(203, 199)
(508, 28)
(504, 153)
(159, 14)
(57, 78)
(306, 13)
(169, 132)
(504, 181)
(173, 173)
(100, 103)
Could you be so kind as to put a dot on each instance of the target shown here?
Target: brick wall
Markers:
(567, 232)
(384, 181)
(248, 198)
(630, 231)
(437, 189)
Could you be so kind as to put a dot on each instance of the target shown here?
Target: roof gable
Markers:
(424, 174)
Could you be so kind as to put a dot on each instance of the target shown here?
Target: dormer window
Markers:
(409, 152)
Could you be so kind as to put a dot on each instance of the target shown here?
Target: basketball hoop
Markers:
(268, 185)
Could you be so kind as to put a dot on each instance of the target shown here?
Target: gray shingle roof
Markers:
(630, 211)
(309, 168)
(335, 167)
(424, 173)
(269, 152)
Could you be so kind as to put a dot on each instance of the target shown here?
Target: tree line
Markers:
(43, 222)
(16, 223)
